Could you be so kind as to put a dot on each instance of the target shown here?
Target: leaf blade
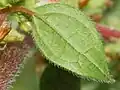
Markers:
(61, 44)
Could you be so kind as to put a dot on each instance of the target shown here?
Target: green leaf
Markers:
(27, 79)
(69, 39)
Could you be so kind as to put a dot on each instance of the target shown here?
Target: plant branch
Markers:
(16, 9)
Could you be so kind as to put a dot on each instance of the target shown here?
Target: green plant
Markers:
(64, 35)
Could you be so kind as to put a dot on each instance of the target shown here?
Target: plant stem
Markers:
(16, 9)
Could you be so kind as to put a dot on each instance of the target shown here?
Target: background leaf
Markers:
(54, 78)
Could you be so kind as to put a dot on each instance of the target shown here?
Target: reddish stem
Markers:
(16, 9)
(107, 32)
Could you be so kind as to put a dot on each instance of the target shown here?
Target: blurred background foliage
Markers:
(39, 74)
